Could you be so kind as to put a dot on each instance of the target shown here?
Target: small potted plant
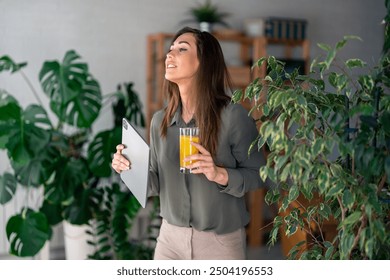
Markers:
(207, 15)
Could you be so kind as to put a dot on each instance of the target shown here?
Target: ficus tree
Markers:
(327, 134)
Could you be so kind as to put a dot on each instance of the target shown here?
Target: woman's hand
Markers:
(205, 165)
(119, 162)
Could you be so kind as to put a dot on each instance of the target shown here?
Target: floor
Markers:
(253, 253)
(265, 253)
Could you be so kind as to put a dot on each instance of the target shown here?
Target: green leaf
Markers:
(330, 57)
(28, 138)
(341, 44)
(317, 147)
(53, 212)
(385, 122)
(346, 243)
(79, 212)
(27, 233)
(280, 161)
(293, 193)
(260, 61)
(285, 172)
(9, 107)
(336, 190)
(7, 187)
(38, 169)
(369, 248)
(348, 199)
(237, 96)
(324, 211)
(131, 109)
(37, 115)
(353, 218)
(366, 82)
(10, 113)
(329, 252)
(69, 175)
(100, 151)
(75, 95)
(301, 100)
(7, 64)
(263, 171)
(354, 63)
(325, 47)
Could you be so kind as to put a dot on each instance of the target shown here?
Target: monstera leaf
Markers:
(37, 170)
(100, 151)
(23, 133)
(7, 64)
(7, 187)
(79, 212)
(53, 212)
(27, 233)
(75, 96)
(10, 112)
(70, 174)
(28, 136)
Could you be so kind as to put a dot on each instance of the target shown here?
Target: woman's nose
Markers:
(169, 55)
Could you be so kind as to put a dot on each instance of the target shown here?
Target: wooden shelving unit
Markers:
(250, 50)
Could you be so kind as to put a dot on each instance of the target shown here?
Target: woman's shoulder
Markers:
(234, 110)
(158, 117)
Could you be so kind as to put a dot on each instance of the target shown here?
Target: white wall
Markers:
(110, 35)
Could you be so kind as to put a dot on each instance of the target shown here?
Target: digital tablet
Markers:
(137, 152)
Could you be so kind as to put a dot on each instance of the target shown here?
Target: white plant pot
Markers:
(205, 26)
(44, 253)
(75, 239)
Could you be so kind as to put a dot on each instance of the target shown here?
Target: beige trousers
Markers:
(182, 243)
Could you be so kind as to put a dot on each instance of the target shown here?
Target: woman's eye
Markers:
(182, 50)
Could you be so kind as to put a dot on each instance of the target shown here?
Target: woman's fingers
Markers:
(119, 162)
(119, 148)
(201, 149)
(202, 162)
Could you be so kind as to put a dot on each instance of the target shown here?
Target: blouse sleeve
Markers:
(153, 182)
(242, 132)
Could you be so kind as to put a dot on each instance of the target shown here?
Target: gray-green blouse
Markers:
(191, 200)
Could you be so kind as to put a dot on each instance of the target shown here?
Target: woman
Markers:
(204, 213)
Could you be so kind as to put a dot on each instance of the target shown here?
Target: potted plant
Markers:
(207, 15)
(58, 157)
(328, 136)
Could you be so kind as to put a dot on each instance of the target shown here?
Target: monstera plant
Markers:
(57, 155)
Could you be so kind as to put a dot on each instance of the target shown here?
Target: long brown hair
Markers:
(212, 84)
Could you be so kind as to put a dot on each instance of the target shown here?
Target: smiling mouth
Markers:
(170, 66)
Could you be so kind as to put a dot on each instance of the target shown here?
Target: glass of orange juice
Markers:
(187, 135)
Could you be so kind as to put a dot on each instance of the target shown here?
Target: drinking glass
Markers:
(188, 135)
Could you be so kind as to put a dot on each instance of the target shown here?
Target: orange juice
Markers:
(186, 149)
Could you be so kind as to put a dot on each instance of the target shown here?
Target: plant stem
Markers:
(382, 183)
(31, 87)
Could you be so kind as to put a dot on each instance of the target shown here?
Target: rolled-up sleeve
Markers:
(244, 176)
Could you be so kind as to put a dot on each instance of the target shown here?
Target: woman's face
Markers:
(181, 63)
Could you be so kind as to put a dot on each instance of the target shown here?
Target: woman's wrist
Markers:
(222, 176)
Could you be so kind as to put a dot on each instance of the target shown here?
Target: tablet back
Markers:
(137, 152)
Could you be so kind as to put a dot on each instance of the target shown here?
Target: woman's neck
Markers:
(187, 111)
(187, 104)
